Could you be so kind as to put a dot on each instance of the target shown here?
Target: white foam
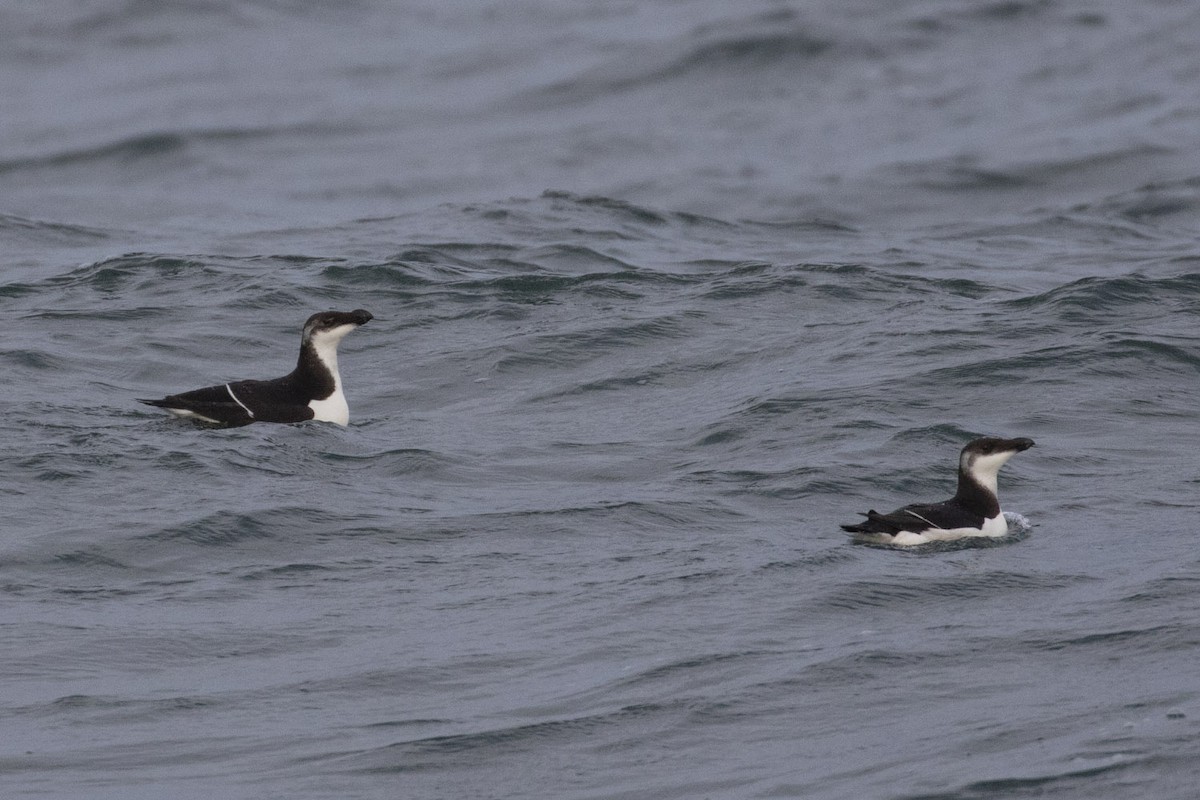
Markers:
(1018, 523)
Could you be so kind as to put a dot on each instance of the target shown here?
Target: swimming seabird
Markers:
(313, 390)
(973, 511)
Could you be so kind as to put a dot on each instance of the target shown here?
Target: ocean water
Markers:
(664, 292)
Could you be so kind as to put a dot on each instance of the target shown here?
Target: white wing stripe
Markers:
(229, 389)
(906, 511)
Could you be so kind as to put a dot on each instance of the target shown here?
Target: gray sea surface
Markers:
(663, 292)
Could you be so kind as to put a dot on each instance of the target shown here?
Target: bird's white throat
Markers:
(325, 345)
(986, 468)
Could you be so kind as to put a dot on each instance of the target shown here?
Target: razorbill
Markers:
(313, 390)
(973, 511)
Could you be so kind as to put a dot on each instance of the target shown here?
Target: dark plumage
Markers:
(313, 390)
(973, 511)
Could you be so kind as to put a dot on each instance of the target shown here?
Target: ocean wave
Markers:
(155, 147)
(49, 233)
(969, 175)
(572, 346)
(1176, 200)
(740, 51)
(1112, 298)
(139, 146)
(903, 595)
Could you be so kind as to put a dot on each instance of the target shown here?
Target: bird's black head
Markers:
(991, 445)
(983, 457)
(335, 324)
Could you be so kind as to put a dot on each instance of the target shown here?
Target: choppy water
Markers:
(663, 293)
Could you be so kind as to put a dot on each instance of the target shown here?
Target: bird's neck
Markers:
(317, 368)
(978, 493)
